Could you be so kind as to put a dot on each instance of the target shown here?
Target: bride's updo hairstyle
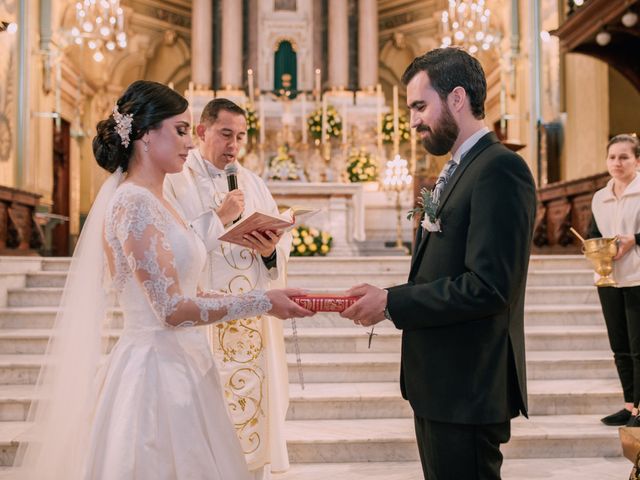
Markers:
(142, 107)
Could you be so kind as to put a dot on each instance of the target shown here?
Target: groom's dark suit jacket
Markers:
(462, 310)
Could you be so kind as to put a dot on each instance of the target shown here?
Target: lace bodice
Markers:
(155, 262)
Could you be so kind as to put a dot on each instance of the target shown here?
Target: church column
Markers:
(201, 43)
(338, 44)
(231, 44)
(367, 44)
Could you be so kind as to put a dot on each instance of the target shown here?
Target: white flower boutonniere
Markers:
(427, 208)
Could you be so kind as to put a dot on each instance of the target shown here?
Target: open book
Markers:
(262, 221)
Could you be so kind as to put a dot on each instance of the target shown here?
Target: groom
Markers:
(461, 311)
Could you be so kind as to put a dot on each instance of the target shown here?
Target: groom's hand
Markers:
(369, 310)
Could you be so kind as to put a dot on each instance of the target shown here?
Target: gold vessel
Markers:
(600, 252)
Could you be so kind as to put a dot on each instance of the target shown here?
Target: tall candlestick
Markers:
(263, 126)
(412, 167)
(379, 115)
(318, 87)
(324, 119)
(344, 123)
(191, 104)
(303, 119)
(250, 83)
(396, 126)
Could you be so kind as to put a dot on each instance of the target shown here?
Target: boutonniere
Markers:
(427, 208)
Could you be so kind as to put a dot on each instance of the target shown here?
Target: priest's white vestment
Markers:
(249, 353)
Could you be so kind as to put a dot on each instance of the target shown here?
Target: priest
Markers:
(249, 352)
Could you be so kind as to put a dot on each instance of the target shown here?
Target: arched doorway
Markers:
(285, 68)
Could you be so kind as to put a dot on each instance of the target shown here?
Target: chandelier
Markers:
(99, 24)
(466, 24)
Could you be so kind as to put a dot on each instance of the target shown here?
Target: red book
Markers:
(325, 302)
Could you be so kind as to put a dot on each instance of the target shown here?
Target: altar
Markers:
(341, 208)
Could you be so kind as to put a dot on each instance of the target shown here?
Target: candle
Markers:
(324, 119)
(503, 109)
(263, 126)
(344, 123)
(396, 129)
(317, 87)
(413, 150)
(303, 119)
(191, 103)
(379, 114)
(250, 82)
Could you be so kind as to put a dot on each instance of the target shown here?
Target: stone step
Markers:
(595, 468)
(33, 341)
(581, 295)
(331, 401)
(34, 297)
(560, 277)
(352, 340)
(370, 264)
(392, 440)
(41, 318)
(385, 367)
(46, 279)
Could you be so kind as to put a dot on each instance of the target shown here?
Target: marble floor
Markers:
(515, 469)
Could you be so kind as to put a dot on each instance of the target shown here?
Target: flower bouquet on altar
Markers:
(283, 166)
(308, 242)
(334, 123)
(253, 124)
(404, 131)
(361, 167)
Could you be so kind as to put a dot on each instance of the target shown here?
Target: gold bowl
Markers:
(600, 252)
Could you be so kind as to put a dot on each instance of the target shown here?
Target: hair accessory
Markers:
(123, 125)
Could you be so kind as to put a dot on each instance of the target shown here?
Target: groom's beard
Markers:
(441, 138)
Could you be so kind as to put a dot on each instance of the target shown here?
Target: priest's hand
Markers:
(263, 243)
(231, 207)
(369, 309)
(283, 307)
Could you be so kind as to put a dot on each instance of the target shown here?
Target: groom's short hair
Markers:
(449, 68)
(212, 110)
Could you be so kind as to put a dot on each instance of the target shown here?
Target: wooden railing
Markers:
(19, 235)
(563, 205)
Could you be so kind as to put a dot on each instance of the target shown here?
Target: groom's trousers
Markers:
(451, 451)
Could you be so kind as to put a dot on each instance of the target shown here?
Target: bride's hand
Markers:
(283, 307)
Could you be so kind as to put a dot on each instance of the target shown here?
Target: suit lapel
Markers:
(484, 142)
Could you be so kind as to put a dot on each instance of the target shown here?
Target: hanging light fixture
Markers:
(100, 25)
(467, 24)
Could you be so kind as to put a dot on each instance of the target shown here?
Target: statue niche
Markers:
(285, 68)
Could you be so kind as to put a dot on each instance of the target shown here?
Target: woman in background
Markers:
(616, 213)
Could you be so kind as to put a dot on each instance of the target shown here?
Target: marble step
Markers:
(346, 339)
(385, 367)
(560, 277)
(371, 264)
(41, 318)
(594, 468)
(32, 341)
(330, 401)
(582, 295)
(392, 440)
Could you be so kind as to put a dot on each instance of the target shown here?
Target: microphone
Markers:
(231, 170)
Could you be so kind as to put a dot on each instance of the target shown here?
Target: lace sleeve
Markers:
(138, 234)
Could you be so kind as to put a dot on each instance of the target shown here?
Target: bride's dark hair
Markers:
(149, 103)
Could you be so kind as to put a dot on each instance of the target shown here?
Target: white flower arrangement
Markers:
(283, 166)
(428, 208)
(253, 124)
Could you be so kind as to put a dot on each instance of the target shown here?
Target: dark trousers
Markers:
(621, 309)
(450, 451)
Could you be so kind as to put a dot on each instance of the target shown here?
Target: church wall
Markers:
(8, 95)
(624, 105)
(587, 126)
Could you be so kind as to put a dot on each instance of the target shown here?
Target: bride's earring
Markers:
(146, 145)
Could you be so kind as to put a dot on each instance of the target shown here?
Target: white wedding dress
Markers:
(159, 410)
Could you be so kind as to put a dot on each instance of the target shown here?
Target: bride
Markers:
(155, 408)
